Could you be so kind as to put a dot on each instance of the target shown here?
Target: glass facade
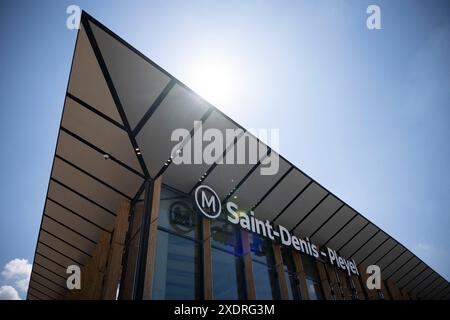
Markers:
(313, 284)
(178, 263)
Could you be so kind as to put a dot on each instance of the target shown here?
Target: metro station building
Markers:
(119, 208)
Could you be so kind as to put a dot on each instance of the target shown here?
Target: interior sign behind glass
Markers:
(209, 204)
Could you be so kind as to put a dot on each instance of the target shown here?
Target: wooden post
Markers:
(151, 249)
(207, 259)
(333, 282)
(359, 289)
(279, 267)
(92, 274)
(248, 266)
(301, 275)
(324, 281)
(344, 284)
(114, 267)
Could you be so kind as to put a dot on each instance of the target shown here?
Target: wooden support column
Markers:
(151, 248)
(114, 268)
(301, 275)
(92, 274)
(359, 289)
(279, 267)
(248, 266)
(344, 283)
(207, 259)
(324, 281)
(333, 281)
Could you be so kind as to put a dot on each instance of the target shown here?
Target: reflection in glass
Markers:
(177, 265)
(177, 214)
(314, 289)
(266, 287)
(228, 276)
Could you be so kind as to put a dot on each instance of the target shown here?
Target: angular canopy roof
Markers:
(119, 101)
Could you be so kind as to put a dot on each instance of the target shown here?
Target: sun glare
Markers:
(216, 81)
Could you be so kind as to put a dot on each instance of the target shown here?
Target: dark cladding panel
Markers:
(87, 82)
(178, 110)
(257, 185)
(184, 176)
(301, 206)
(331, 227)
(288, 188)
(137, 82)
(318, 216)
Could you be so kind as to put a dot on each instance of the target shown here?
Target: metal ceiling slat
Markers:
(376, 248)
(83, 196)
(292, 200)
(94, 110)
(71, 229)
(327, 220)
(340, 229)
(431, 287)
(418, 272)
(241, 182)
(153, 107)
(311, 211)
(44, 278)
(438, 289)
(79, 216)
(36, 284)
(214, 165)
(394, 259)
(42, 295)
(409, 270)
(272, 188)
(49, 270)
(90, 175)
(425, 274)
(353, 237)
(101, 151)
(388, 252)
(364, 243)
(425, 282)
(67, 243)
(398, 269)
(52, 260)
(62, 232)
(169, 161)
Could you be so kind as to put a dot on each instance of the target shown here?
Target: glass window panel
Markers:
(265, 282)
(314, 289)
(228, 276)
(177, 214)
(225, 235)
(261, 249)
(177, 265)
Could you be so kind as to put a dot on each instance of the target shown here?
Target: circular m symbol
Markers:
(207, 201)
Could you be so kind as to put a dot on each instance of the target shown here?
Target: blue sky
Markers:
(364, 112)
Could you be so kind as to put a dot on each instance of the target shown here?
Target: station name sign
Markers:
(209, 204)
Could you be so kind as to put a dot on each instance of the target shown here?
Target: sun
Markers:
(216, 80)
